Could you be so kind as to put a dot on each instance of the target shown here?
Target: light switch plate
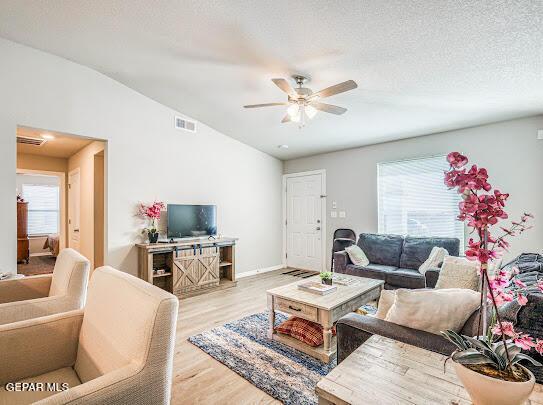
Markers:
(334, 204)
(342, 214)
(333, 214)
(540, 134)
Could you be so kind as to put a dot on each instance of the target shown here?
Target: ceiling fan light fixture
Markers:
(310, 111)
(293, 110)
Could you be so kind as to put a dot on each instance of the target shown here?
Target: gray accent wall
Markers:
(509, 150)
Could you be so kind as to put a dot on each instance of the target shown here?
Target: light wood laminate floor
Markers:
(197, 377)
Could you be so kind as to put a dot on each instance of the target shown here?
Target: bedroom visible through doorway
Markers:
(54, 171)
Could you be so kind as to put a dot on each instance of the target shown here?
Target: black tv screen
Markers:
(191, 220)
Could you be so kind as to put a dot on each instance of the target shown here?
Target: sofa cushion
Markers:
(416, 250)
(459, 272)
(433, 310)
(382, 249)
(385, 302)
(437, 255)
(357, 255)
(406, 278)
(372, 270)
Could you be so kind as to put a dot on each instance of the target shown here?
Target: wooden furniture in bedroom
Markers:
(23, 245)
(190, 267)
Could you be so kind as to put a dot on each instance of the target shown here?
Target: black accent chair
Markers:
(342, 239)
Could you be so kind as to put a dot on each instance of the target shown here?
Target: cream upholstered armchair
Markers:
(35, 296)
(117, 350)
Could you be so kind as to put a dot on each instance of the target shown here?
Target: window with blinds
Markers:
(43, 208)
(413, 200)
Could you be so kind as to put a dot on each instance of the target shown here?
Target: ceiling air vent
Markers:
(26, 140)
(185, 125)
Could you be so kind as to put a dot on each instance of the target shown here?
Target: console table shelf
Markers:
(192, 267)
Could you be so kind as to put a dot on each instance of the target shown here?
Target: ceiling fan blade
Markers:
(329, 108)
(283, 85)
(336, 89)
(286, 118)
(263, 105)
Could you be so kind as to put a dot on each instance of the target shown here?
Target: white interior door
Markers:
(304, 228)
(74, 208)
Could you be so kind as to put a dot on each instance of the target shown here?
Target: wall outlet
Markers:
(333, 214)
(342, 214)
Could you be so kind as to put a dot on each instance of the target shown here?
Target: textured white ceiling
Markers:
(421, 66)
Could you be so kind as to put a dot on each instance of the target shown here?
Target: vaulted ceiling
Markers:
(421, 66)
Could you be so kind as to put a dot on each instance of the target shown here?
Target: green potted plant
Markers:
(326, 277)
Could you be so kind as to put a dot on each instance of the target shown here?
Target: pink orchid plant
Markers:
(152, 213)
(483, 208)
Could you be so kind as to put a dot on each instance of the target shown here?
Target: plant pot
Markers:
(485, 390)
(327, 281)
(153, 237)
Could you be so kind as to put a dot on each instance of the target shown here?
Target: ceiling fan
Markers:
(303, 104)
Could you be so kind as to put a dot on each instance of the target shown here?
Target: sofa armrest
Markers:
(26, 288)
(341, 260)
(431, 277)
(22, 310)
(353, 330)
(40, 345)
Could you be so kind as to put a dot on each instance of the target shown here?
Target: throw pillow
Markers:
(305, 331)
(385, 302)
(357, 255)
(437, 255)
(433, 310)
(458, 272)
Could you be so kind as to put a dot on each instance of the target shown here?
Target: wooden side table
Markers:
(384, 371)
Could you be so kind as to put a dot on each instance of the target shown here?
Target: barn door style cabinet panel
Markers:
(189, 268)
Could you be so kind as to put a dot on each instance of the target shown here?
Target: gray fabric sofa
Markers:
(395, 259)
(354, 329)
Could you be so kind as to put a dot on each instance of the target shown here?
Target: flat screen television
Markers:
(191, 221)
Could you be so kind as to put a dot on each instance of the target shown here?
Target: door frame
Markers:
(68, 237)
(322, 172)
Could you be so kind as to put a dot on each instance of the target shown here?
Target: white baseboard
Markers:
(259, 271)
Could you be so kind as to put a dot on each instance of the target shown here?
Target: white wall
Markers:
(509, 150)
(146, 158)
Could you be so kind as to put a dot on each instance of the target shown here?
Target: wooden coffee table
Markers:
(322, 309)
(384, 371)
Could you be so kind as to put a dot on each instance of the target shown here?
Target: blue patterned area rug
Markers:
(286, 374)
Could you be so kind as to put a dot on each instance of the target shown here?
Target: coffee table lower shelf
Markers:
(317, 352)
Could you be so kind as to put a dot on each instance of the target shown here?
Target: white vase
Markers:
(484, 390)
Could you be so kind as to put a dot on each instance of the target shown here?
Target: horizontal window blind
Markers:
(43, 208)
(413, 200)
